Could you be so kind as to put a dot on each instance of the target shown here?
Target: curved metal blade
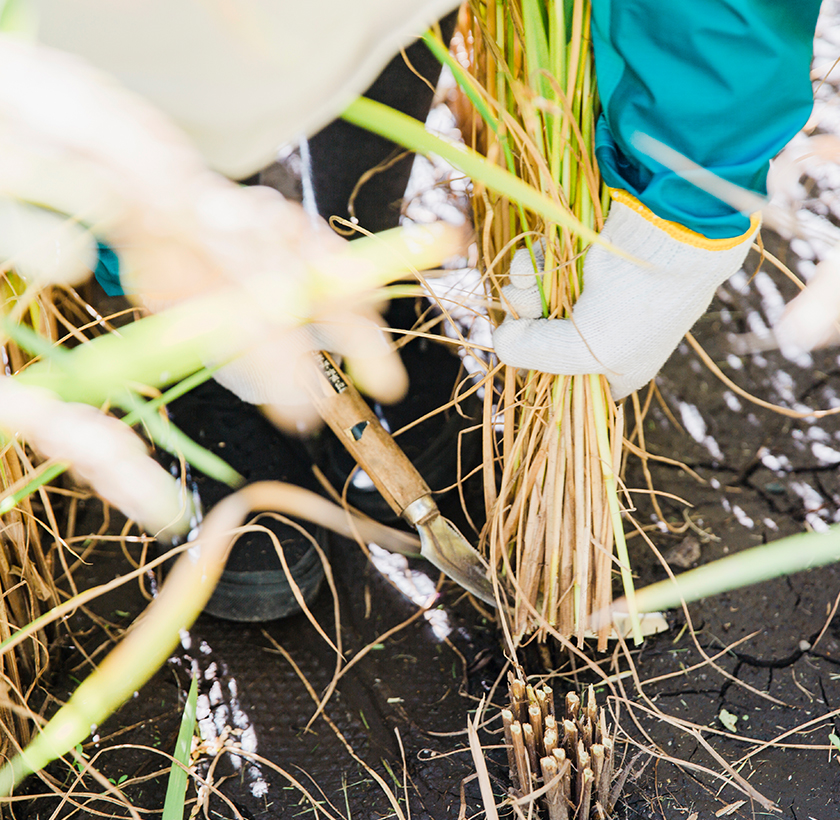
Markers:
(443, 545)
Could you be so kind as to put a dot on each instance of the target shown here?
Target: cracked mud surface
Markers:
(767, 476)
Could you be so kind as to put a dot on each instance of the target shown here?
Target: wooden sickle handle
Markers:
(359, 430)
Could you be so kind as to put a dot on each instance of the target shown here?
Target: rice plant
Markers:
(554, 514)
(27, 553)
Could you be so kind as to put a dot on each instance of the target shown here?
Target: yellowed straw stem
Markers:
(27, 587)
(553, 513)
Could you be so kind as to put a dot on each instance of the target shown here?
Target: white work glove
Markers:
(240, 78)
(629, 317)
(92, 153)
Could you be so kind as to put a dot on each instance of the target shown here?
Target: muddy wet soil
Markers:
(765, 705)
(763, 476)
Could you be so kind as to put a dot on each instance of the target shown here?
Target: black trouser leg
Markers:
(342, 153)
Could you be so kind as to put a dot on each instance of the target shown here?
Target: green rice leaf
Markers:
(536, 44)
(168, 437)
(41, 477)
(465, 82)
(783, 557)
(412, 134)
(176, 788)
(30, 341)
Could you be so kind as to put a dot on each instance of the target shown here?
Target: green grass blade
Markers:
(411, 134)
(38, 481)
(30, 341)
(465, 82)
(176, 788)
(783, 557)
(536, 44)
(141, 413)
(168, 437)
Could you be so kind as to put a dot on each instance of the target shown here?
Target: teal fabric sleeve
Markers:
(107, 271)
(724, 82)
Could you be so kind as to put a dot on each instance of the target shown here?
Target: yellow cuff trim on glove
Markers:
(680, 232)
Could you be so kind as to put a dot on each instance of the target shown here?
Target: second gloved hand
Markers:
(631, 315)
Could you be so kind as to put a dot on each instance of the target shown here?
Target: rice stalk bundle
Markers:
(27, 588)
(561, 757)
(554, 520)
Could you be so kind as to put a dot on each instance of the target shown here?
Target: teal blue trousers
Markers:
(724, 82)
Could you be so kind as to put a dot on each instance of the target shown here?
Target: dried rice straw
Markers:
(27, 589)
(554, 514)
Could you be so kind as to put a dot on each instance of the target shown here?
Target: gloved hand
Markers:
(629, 317)
(274, 371)
(76, 143)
